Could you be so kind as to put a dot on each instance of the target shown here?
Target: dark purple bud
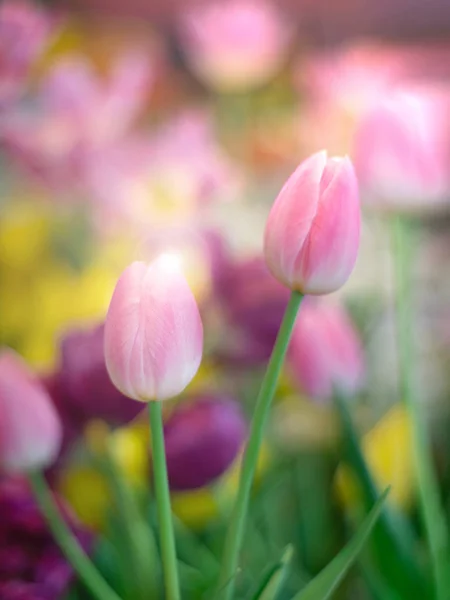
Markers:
(85, 381)
(202, 438)
(253, 303)
(31, 565)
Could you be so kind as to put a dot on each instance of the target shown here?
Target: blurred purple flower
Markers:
(77, 115)
(31, 565)
(82, 390)
(253, 303)
(235, 45)
(24, 32)
(203, 437)
(86, 382)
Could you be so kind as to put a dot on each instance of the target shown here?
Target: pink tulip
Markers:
(78, 117)
(325, 352)
(24, 32)
(30, 430)
(312, 233)
(153, 331)
(235, 45)
(401, 150)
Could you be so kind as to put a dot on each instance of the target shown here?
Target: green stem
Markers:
(67, 541)
(167, 539)
(235, 531)
(430, 502)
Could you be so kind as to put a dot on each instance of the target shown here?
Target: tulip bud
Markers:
(237, 45)
(153, 331)
(84, 381)
(325, 352)
(202, 439)
(30, 429)
(401, 151)
(312, 233)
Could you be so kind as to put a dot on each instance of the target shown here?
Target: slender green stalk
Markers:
(167, 538)
(430, 503)
(235, 531)
(67, 541)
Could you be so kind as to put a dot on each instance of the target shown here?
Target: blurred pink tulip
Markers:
(312, 233)
(77, 117)
(153, 331)
(30, 430)
(24, 32)
(167, 177)
(401, 150)
(236, 45)
(325, 353)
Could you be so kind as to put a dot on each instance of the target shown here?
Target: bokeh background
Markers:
(133, 128)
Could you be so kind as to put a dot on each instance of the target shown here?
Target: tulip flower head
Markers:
(401, 151)
(312, 233)
(202, 439)
(30, 429)
(237, 45)
(325, 351)
(153, 331)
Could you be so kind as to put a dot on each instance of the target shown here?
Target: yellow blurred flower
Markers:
(88, 493)
(388, 451)
(130, 449)
(24, 232)
(196, 508)
(87, 489)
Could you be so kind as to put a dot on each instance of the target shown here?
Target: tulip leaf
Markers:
(393, 539)
(274, 578)
(324, 584)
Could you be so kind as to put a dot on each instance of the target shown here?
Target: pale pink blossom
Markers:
(235, 45)
(325, 353)
(312, 232)
(167, 177)
(153, 331)
(77, 115)
(30, 429)
(401, 150)
(25, 30)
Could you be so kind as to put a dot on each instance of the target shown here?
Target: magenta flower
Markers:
(401, 150)
(85, 380)
(31, 565)
(203, 437)
(30, 429)
(253, 303)
(24, 33)
(235, 45)
(325, 353)
(312, 234)
(153, 331)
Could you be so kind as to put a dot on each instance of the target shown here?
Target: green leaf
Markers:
(393, 539)
(273, 579)
(322, 586)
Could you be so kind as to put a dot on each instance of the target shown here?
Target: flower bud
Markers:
(153, 331)
(401, 151)
(237, 45)
(202, 440)
(325, 351)
(312, 233)
(30, 429)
